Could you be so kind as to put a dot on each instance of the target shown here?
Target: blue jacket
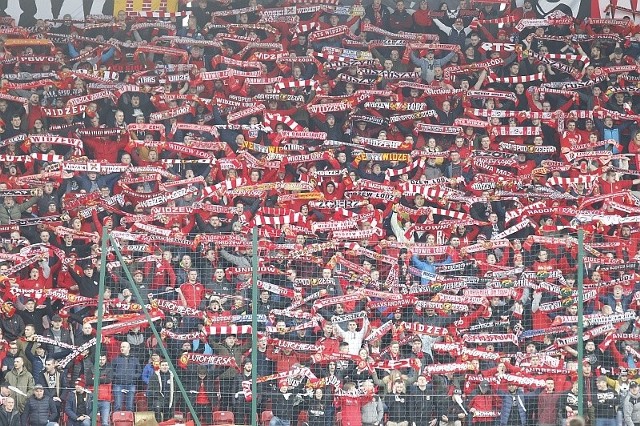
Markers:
(126, 370)
(507, 404)
(608, 299)
(611, 132)
(427, 267)
(71, 405)
(426, 67)
(85, 183)
(147, 372)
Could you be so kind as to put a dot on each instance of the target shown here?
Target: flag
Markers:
(575, 8)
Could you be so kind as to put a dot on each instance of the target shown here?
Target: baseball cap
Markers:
(484, 385)
(56, 317)
(38, 386)
(633, 384)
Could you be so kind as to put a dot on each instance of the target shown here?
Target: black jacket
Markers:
(9, 419)
(398, 407)
(422, 404)
(38, 412)
(35, 318)
(384, 12)
(283, 405)
(57, 352)
(87, 286)
(13, 327)
(193, 385)
(161, 390)
(59, 390)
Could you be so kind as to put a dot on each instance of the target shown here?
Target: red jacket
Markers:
(484, 402)
(351, 408)
(285, 362)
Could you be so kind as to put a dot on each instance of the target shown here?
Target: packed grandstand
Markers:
(417, 177)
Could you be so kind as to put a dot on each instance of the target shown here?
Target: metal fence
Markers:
(243, 320)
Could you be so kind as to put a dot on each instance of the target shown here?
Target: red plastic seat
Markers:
(223, 418)
(141, 402)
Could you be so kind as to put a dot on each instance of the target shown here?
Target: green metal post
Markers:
(96, 361)
(165, 354)
(580, 324)
(254, 328)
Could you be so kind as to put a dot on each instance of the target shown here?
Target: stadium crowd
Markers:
(416, 176)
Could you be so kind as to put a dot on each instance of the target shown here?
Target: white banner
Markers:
(47, 9)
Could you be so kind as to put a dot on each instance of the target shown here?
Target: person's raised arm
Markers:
(467, 30)
(338, 331)
(365, 326)
(481, 78)
(397, 229)
(31, 201)
(445, 29)
(46, 269)
(417, 61)
(183, 299)
(425, 266)
(444, 61)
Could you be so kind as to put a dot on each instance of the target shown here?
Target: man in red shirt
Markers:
(609, 184)
(192, 292)
(328, 341)
(570, 137)
(524, 165)
(544, 264)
